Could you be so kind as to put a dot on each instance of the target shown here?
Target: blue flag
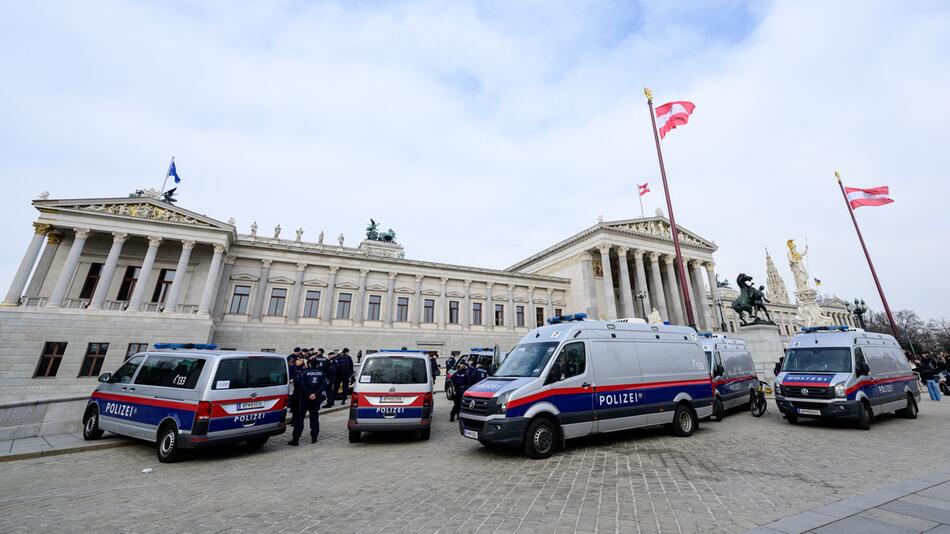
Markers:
(173, 172)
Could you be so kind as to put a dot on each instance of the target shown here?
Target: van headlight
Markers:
(501, 402)
(777, 388)
(840, 390)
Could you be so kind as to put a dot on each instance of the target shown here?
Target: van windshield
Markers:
(394, 370)
(818, 360)
(527, 359)
(251, 372)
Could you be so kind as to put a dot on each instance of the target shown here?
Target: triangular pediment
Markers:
(659, 228)
(430, 292)
(134, 208)
(405, 290)
(454, 294)
(281, 280)
(315, 282)
(347, 285)
(245, 277)
(377, 287)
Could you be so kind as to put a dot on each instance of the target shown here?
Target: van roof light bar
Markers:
(833, 328)
(567, 318)
(413, 351)
(191, 346)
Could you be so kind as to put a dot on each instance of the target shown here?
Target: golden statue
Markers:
(795, 263)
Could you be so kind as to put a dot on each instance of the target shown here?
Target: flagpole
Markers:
(887, 309)
(684, 281)
(641, 203)
(165, 181)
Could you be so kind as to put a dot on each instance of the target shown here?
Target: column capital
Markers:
(654, 256)
(364, 273)
(119, 237)
(695, 264)
(301, 267)
(668, 259)
(444, 280)
(466, 283)
(638, 253)
(266, 263)
(219, 249)
(392, 276)
(333, 269)
(549, 291)
(622, 251)
(419, 277)
(530, 288)
(54, 238)
(710, 264)
(229, 259)
(82, 233)
(586, 256)
(154, 240)
(604, 249)
(187, 244)
(511, 287)
(489, 285)
(41, 228)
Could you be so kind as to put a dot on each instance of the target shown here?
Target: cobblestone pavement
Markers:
(728, 477)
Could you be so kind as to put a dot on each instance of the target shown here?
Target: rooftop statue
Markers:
(795, 263)
(750, 301)
(373, 233)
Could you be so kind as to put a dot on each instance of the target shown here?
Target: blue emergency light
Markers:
(705, 334)
(193, 346)
(414, 351)
(567, 318)
(482, 349)
(834, 328)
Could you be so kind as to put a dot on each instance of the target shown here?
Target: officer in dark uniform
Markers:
(295, 367)
(332, 366)
(317, 359)
(450, 363)
(344, 370)
(311, 383)
(460, 381)
(479, 373)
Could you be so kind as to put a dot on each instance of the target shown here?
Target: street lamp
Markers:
(642, 295)
(722, 317)
(858, 309)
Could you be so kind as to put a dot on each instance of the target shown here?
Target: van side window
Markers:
(170, 372)
(858, 357)
(572, 361)
(124, 374)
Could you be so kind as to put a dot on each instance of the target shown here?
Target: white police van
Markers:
(845, 373)
(575, 377)
(393, 392)
(489, 357)
(184, 395)
(733, 372)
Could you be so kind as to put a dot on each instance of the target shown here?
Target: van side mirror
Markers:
(863, 369)
(105, 377)
(718, 371)
(552, 378)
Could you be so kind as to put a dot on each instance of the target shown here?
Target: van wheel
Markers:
(910, 412)
(256, 443)
(169, 444)
(719, 411)
(540, 439)
(424, 434)
(355, 436)
(90, 425)
(449, 391)
(684, 421)
(791, 418)
(864, 417)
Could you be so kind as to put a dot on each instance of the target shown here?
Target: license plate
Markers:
(805, 411)
(253, 405)
(390, 400)
(470, 434)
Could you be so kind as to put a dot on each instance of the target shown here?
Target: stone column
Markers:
(108, 271)
(293, 303)
(657, 279)
(714, 290)
(417, 303)
(510, 312)
(53, 240)
(178, 283)
(359, 306)
(590, 286)
(69, 268)
(330, 295)
(220, 293)
(390, 300)
(675, 303)
(214, 272)
(626, 292)
(699, 294)
(467, 305)
(529, 313)
(488, 311)
(257, 310)
(550, 304)
(645, 306)
(610, 300)
(141, 286)
(26, 265)
(443, 303)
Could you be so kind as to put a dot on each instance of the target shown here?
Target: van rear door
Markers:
(247, 392)
(393, 388)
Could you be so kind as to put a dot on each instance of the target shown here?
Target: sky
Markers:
(484, 132)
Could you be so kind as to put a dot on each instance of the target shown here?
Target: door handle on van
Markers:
(131, 388)
(585, 385)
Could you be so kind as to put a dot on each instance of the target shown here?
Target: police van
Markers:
(393, 392)
(184, 395)
(733, 373)
(489, 357)
(838, 372)
(574, 377)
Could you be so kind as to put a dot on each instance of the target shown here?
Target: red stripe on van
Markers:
(479, 394)
(873, 382)
(420, 397)
(217, 410)
(134, 399)
(617, 387)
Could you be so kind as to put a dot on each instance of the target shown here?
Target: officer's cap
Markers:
(296, 349)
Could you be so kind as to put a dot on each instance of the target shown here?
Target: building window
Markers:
(164, 283)
(499, 315)
(453, 312)
(92, 280)
(402, 309)
(268, 350)
(278, 296)
(135, 348)
(539, 316)
(558, 311)
(519, 315)
(477, 313)
(49, 360)
(239, 300)
(129, 280)
(343, 306)
(92, 362)
(311, 304)
(372, 312)
(428, 311)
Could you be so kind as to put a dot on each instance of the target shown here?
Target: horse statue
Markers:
(744, 303)
(389, 236)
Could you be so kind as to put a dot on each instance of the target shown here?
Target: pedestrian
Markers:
(311, 383)
(434, 361)
(331, 370)
(344, 371)
(460, 382)
(928, 373)
(359, 356)
(778, 365)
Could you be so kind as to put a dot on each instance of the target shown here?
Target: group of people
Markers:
(931, 366)
(467, 373)
(317, 378)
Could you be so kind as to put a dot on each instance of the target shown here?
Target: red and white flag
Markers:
(875, 196)
(673, 114)
(644, 188)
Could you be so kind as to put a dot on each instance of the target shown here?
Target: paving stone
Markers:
(917, 510)
(863, 525)
(900, 520)
(937, 492)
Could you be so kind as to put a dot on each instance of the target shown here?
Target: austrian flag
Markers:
(875, 196)
(644, 188)
(673, 114)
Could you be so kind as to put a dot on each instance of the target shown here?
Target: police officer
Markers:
(310, 382)
(317, 359)
(344, 370)
(450, 363)
(460, 381)
(479, 373)
(332, 366)
(295, 365)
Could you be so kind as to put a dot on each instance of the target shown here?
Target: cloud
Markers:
(483, 132)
